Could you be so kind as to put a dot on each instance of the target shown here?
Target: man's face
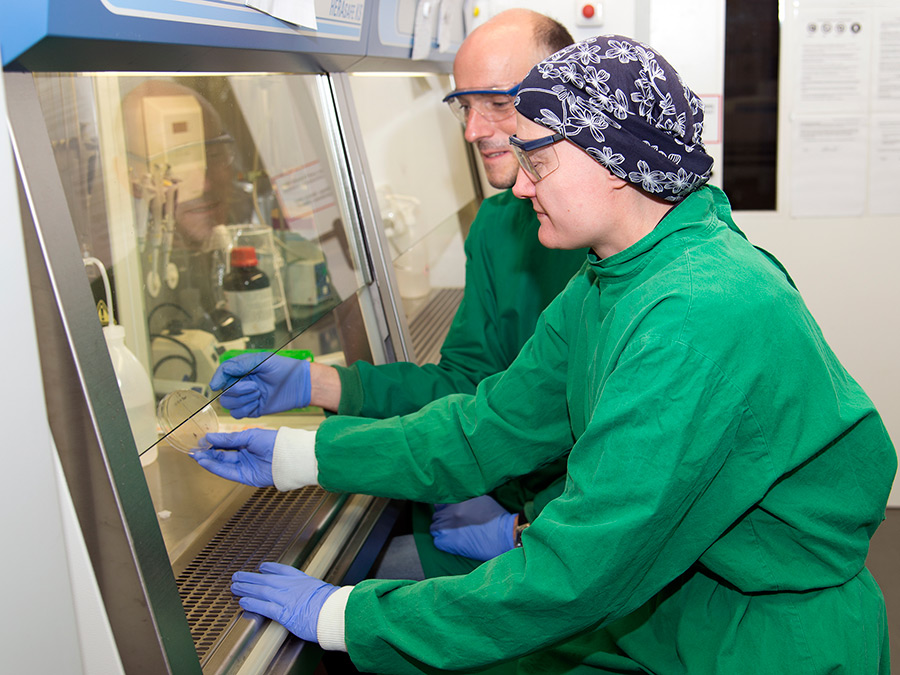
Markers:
(493, 61)
(196, 218)
(203, 202)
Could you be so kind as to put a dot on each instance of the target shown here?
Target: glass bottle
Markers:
(249, 295)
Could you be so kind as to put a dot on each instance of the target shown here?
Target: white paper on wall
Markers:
(887, 63)
(845, 115)
(828, 158)
(884, 164)
(303, 192)
(298, 12)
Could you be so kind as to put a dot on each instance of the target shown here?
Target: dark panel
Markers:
(751, 103)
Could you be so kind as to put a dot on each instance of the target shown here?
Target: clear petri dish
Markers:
(186, 416)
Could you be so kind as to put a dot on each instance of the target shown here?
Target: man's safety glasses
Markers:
(494, 105)
(538, 157)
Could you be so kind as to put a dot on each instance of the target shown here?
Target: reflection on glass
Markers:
(214, 206)
(426, 194)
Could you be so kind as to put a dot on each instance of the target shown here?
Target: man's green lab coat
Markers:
(725, 476)
(510, 280)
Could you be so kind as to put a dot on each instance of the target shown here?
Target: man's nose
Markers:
(477, 127)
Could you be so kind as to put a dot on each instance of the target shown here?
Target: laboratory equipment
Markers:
(131, 377)
(276, 126)
(269, 259)
(248, 294)
(185, 417)
(178, 533)
(137, 392)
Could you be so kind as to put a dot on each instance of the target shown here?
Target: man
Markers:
(510, 279)
(207, 195)
(185, 192)
(725, 473)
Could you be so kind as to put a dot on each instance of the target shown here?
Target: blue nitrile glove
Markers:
(278, 383)
(247, 457)
(477, 528)
(284, 594)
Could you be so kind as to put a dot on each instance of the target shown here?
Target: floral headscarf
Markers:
(627, 108)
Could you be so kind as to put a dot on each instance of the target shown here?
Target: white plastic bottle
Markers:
(137, 393)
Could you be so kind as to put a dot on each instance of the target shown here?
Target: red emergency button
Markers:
(587, 11)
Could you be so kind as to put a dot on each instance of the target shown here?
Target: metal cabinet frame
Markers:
(94, 441)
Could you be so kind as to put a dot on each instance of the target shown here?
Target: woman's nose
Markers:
(524, 187)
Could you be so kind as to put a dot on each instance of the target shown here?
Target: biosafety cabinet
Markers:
(160, 148)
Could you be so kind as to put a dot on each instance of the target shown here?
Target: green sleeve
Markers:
(521, 410)
(534, 506)
(472, 349)
(644, 497)
(510, 280)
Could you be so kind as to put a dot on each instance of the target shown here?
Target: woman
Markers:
(724, 474)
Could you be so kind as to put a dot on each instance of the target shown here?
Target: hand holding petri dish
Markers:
(185, 417)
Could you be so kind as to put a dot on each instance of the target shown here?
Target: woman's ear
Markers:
(616, 183)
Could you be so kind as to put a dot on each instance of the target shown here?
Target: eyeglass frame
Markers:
(521, 150)
(452, 99)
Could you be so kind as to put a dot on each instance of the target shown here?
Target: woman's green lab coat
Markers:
(725, 477)
(510, 280)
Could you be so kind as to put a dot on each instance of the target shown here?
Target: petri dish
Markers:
(186, 416)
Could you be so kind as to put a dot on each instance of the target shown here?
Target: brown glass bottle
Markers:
(249, 295)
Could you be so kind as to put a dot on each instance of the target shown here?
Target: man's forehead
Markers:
(495, 70)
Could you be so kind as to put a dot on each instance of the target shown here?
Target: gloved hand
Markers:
(477, 528)
(247, 457)
(276, 383)
(284, 594)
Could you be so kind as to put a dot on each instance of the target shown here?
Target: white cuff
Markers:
(294, 463)
(330, 628)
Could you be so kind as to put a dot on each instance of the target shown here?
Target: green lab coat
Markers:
(510, 280)
(725, 476)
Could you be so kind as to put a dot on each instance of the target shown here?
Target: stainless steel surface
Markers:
(260, 530)
(318, 564)
(214, 528)
(397, 345)
(429, 322)
(191, 504)
(145, 526)
(164, 539)
(88, 419)
(335, 141)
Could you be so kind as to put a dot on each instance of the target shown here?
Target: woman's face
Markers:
(573, 203)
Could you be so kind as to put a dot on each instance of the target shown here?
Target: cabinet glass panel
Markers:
(423, 177)
(212, 216)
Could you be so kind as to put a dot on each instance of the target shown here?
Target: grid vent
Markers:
(260, 530)
(428, 327)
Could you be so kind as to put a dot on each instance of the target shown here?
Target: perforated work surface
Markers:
(429, 326)
(260, 530)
